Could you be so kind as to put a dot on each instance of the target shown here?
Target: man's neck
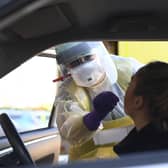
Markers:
(141, 121)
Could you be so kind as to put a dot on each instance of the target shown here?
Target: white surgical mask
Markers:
(87, 74)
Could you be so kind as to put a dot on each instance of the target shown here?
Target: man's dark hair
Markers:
(152, 84)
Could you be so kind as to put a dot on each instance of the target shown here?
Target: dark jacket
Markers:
(150, 138)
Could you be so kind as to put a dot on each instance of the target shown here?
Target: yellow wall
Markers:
(144, 51)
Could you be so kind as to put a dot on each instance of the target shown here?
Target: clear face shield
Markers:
(94, 67)
(88, 62)
(87, 71)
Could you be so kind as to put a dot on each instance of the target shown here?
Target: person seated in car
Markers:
(146, 102)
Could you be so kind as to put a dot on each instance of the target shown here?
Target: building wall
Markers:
(144, 51)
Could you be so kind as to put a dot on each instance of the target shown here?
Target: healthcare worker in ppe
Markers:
(87, 70)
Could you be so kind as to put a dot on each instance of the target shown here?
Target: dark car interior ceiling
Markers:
(131, 16)
(31, 26)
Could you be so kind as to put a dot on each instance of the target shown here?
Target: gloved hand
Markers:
(103, 104)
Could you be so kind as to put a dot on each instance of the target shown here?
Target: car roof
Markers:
(29, 26)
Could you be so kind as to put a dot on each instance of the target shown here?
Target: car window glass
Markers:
(27, 93)
(139, 53)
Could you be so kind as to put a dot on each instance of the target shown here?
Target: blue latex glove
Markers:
(103, 104)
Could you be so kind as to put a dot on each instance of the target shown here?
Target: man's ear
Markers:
(139, 102)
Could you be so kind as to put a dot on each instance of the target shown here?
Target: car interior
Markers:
(30, 27)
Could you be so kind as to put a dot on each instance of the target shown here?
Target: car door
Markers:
(27, 96)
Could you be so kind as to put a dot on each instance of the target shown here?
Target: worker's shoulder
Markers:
(121, 61)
